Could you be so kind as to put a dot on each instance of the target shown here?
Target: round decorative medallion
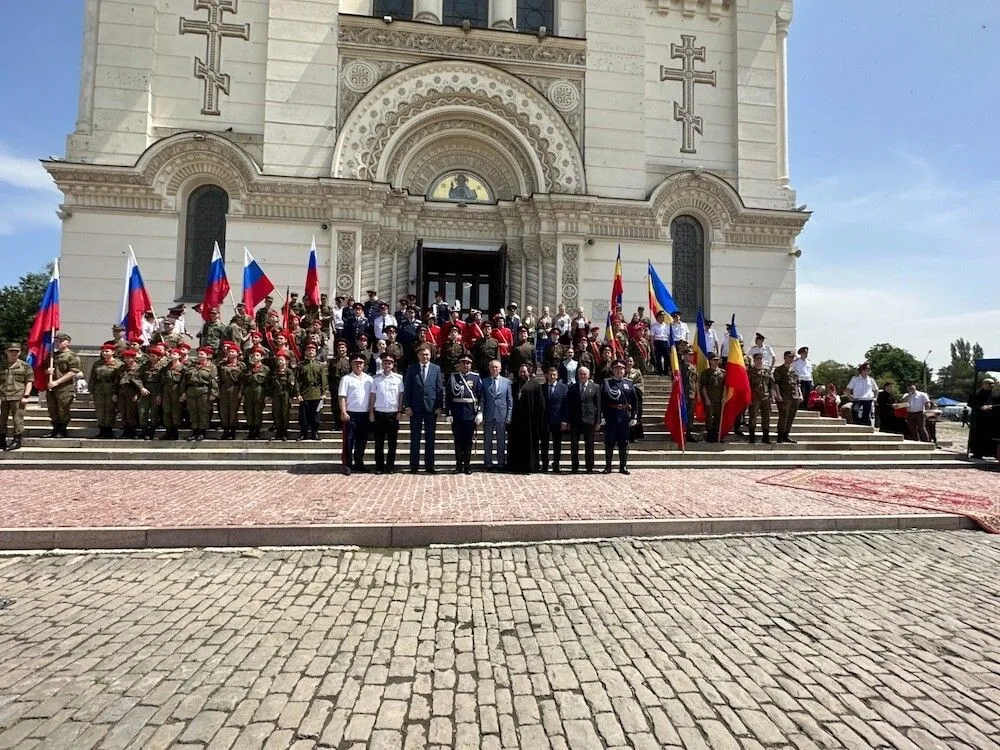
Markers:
(569, 291)
(345, 281)
(564, 96)
(360, 76)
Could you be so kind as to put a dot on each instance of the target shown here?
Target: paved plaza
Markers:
(808, 641)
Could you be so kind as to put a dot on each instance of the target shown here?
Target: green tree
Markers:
(19, 304)
(898, 365)
(955, 379)
(830, 371)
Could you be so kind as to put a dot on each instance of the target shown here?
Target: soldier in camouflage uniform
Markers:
(485, 350)
(119, 340)
(254, 391)
(129, 387)
(172, 388)
(713, 387)
(237, 332)
(761, 391)
(312, 385)
(104, 380)
(452, 352)
(392, 345)
(788, 397)
(213, 331)
(167, 338)
(151, 393)
(689, 377)
(16, 379)
(63, 371)
(230, 383)
(523, 353)
(201, 388)
(336, 368)
(283, 389)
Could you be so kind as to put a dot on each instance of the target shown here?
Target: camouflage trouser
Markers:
(104, 405)
(786, 414)
(14, 409)
(229, 408)
(150, 413)
(59, 402)
(171, 408)
(253, 408)
(764, 409)
(713, 413)
(281, 408)
(200, 408)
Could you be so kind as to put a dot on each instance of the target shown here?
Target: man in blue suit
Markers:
(498, 404)
(556, 418)
(423, 398)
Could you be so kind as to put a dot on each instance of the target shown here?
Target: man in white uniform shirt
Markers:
(916, 419)
(724, 354)
(660, 331)
(804, 369)
(385, 408)
(382, 321)
(354, 394)
(863, 390)
(764, 350)
(711, 339)
(678, 329)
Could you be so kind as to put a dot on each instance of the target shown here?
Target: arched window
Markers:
(474, 11)
(689, 264)
(206, 225)
(401, 9)
(534, 13)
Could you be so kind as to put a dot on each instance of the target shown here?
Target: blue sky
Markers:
(892, 122)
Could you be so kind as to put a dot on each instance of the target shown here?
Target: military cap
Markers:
(554, 329)
(293, 294)
(618, 363)
(340, 297)
(107, 348)
(708, 321)
(759, 335)
(117, 328)
(240, 304)
(465, 358)
(13, 345)
(389, 357)
(371, 291)
(362, 336)
(179, 307)
(388, 328)
(758, 355)
(358, 306)
(712, 356)
(512, 306)
(358, 358)
(269, 298)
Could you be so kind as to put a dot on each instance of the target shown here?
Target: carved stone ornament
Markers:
(346, 246)
(570, 272)
(688, 8)
(360, 75)
(688, 76)
(214, 30)
(386, 111)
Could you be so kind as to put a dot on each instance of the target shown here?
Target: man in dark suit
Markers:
(556, 418)
(423, 398)
(583, 407)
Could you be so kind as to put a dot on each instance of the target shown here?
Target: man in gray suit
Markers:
(498, 404)
(423, 398)
(583, 406)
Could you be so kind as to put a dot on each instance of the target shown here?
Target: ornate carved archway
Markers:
(398, 112)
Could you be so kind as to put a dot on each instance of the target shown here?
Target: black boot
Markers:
(14, 445)
(607, 460)
(199, 435)
(55, 430)
(3, 441)
(788, 438)
(767, 437)
(623, 461)
(752, 437)
(315, 433)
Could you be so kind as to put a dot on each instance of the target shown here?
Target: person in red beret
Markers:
(104, 381)
(129, 386)
(150, 398)
(201, 388)
(254, 390)
(230, 382)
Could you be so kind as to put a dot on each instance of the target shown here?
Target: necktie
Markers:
(496, 385)
(423, 373)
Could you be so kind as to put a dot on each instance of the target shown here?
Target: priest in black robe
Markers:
(524, 435)
(984, 421)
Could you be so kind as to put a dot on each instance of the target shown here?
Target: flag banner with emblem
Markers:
(737, 394)
(256, 285)
(43, 330)
(675, 418)
(617, 290)
(218, 285)
(312, 277)
(660, 299)
(135, 300)
(700, 363)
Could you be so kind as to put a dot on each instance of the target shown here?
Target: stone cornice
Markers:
(423, 42)
(689, 8)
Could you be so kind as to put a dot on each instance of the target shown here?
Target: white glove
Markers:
(448, 419)
(633, 423)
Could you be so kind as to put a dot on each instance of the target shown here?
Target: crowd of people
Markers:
(366, 359)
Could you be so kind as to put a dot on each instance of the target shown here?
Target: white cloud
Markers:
(23, 172)
(842, 322)
(21, 211)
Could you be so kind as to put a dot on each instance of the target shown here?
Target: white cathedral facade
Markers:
(498, 150)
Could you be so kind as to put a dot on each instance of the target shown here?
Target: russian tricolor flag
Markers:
(218, 285)
(43, 330)
(256, 285)
(312, 278)
(135, 301)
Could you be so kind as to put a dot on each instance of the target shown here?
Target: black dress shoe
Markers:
(346, 471)
(457, 470)
(468, 470)
(606, 471)
(624, 471)
(432, 471)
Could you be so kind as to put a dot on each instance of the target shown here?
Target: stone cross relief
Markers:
(214, 30)
(684, 110)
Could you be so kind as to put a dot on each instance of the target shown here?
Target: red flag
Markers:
(287, 313)
(218, 285)
(737, 396)
(675, 418)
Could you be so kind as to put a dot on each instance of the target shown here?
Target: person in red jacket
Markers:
(473, 330)
(455, 322)
(505, 340)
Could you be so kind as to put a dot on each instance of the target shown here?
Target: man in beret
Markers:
(104, 381)
(283, 390)
(172, 388)
(151, 393)
(16, 379)
(230, 384)
(201, 389)
(254, 391)
(129, 387)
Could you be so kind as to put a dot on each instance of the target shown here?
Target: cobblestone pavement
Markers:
(98, 497)
(844, 641)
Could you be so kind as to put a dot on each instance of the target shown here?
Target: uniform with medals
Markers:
(619, 405)
(462, 398)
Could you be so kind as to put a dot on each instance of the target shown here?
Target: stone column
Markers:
(88, 68)
(503, 15)
(427, 11)
(781, 75)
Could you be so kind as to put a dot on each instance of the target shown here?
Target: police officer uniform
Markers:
(619, 406)
(463, 394)
(16, 379)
